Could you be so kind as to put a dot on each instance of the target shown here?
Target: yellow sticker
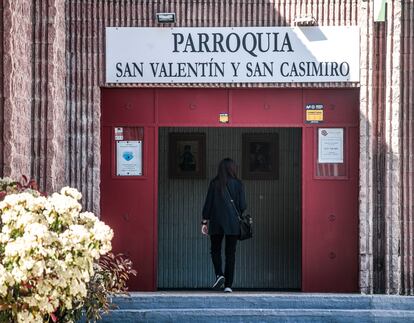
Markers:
(224, 118)
(314, 115)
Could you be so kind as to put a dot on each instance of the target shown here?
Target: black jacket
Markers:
(219, 210)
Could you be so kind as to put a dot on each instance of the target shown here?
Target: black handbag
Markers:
(245, 221)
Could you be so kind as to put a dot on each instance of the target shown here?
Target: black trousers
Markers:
(230, 256)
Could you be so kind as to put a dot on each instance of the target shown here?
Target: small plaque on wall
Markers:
(314, 113)
(129, 158)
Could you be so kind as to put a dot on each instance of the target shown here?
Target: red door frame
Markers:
(322, 260)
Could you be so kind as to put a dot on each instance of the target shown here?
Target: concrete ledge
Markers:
(260, 307)
(258, 315)
(264, 301)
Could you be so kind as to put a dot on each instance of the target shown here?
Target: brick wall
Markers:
(386, 150)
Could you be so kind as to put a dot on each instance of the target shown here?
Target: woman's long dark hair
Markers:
(226, 170)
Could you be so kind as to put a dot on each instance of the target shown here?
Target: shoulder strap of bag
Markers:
(232, 203)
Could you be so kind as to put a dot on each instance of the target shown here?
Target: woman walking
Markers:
(220, 220)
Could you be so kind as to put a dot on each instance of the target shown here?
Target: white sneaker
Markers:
(228, 290)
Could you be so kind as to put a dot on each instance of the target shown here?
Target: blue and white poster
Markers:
(129, 158)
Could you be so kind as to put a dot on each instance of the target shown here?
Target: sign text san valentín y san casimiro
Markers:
(226, 55)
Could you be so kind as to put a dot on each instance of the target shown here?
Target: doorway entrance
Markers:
(320, 252)
(272, 259)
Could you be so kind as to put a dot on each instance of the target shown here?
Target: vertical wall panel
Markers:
(16, 87)
(393, 155)
(39, 104)
(48, 91)
(1, 91)
(367, 147)
(272, 259)
(379, 152)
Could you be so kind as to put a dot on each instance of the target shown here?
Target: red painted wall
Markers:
(329, 207)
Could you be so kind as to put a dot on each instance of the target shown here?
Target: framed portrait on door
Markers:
(186, 155)
(260, 156)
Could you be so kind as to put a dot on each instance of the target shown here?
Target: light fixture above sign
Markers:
(165, 17)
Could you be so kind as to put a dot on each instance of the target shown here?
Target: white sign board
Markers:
(226, 55)
(330, 145)
(129, 158)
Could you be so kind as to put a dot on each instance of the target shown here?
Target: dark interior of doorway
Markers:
(269, 261)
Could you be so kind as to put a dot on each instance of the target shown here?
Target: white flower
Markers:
(6, 280)
(73, 192)
(18, 275)
(88, 219)
(29, 317)
(6, 181)
(15, 248)
(101, 231)
(36, 204)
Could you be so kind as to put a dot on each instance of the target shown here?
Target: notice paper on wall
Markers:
(119, 133)
(129, 158)
(330, 145)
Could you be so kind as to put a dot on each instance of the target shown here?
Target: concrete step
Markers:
(258, 315)
(164, 300)
(260, 307)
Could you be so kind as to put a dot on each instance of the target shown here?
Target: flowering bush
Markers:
(49, 252)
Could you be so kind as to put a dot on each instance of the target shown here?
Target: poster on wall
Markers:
(330, 145)
(129, 158)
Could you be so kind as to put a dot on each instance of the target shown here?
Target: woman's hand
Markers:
(204, 229)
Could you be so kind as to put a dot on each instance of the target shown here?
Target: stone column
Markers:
(367, 142)
(17, 87)
(393, 164)
(56, 97)
(49, 95)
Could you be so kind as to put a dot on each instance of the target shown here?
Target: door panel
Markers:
(128, 203)
(191, 107)
(340, 105)
(331, 237)
(330, 206)
(123, 106)
(267, 107)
